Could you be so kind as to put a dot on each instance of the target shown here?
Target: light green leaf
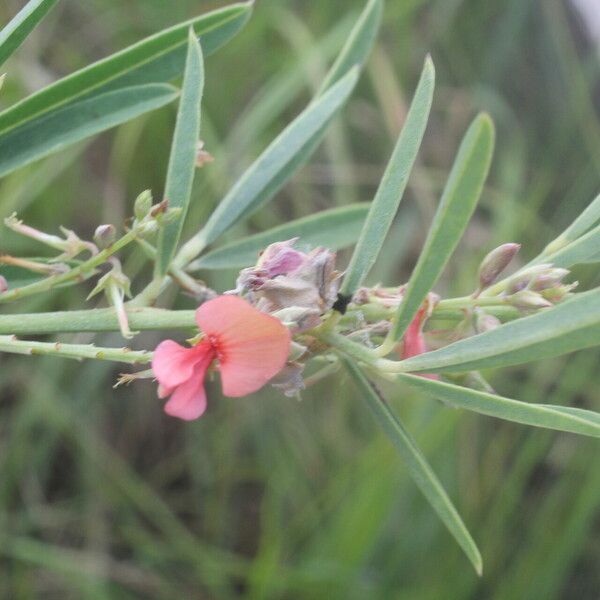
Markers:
(388, 196)
(582, 250)
(358, 45)
(156, 59)
(182, 160)
(17, 30)
(572, 325)
(573, 420)
(585, 221)
(79, 121)
(335, 228)
(277, 163)
(458, 202)
(417, 465)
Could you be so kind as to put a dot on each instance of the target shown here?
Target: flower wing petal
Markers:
(174, 364)
(252, 347)
(188, 401)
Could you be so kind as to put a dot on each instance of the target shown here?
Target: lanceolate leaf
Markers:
(582, 250)
(572, 325)
(157, 59)
(585, 221)
(458, 202)
(574, 420)
(353, 54)
(79, 121)
(278, 161)
(13, 34)
(335, 228)
(359, 44)
(182, 161)
(416, 464)
(391, 188)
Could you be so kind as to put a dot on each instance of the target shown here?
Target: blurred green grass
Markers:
(101, 496)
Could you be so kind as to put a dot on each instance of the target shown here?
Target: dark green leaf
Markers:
(17, 30)
(390, 191)
(182, 161)
(79, 121)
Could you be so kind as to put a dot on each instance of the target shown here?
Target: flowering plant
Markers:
(292, 307)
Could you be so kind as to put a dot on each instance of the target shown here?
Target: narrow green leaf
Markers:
(585, 221)
(458, 202)
(392, 186)
(156, 59)
(335, 228)
(17, 30)
(417, 465)
(79, 121)
(582, 250)
(351, 57)
(277, 163)
(573, 420)
(358, 45)
(571, 325)
(182, 160)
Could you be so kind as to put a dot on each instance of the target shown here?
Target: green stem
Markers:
(99, 319)
(75, 351)
(83, 271)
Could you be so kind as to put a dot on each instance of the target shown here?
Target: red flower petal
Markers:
(414, 341)
(188, 401)
(174, 364)
(252, 347)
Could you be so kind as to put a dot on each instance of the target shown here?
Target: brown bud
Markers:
(495, 262)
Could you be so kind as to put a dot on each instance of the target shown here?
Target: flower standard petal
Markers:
(174, 364)
(251, 346)
(188, 401)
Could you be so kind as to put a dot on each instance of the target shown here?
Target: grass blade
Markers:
(276, 164)
(458, 202)
(388, 196)
(572, 325)
(182, 160)
(17, 30)
(417, 465)
(358, 46)
(573, 420)
(156, 59)
(79, 121)
(335, 228)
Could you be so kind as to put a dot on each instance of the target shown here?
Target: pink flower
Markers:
(249, 346)
(414, 340)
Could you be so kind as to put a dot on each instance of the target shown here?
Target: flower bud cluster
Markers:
(539, 286)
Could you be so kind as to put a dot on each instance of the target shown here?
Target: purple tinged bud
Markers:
(281, 258)
(495, 262)
(486, 322)
(549, 279)
(525, 278)
(3, 284)
(528, 300)
(105, 235)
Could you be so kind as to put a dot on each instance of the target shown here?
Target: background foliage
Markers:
(101, 496)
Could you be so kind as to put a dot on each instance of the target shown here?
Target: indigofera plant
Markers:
(292, 308)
